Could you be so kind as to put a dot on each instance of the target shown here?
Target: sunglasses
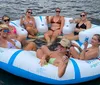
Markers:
(6, 30)
(82, 15)
(58, 11)
(6, 20)
(30, 12)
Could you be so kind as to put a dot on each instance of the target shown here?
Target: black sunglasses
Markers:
(82, 15)
(6, 20)
(30, 12)
(58, 11)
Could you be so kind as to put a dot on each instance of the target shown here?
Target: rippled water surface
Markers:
(70, 8)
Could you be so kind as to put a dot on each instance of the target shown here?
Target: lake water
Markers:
(69, 8)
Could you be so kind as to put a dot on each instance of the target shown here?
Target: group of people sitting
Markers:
(65, 48)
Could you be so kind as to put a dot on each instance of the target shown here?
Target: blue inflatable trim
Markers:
(14, 56)
(76, 69)
(14, 23)
(31, 76)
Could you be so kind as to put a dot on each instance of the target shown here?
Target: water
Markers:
(69, 8)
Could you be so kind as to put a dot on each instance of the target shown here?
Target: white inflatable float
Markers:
(95, 29)
(68, 27)
(25, 64)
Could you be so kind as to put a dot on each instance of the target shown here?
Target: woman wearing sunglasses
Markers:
(12, 30)
(81, 24)
(29, 24)
(57, 23)
(6, 42)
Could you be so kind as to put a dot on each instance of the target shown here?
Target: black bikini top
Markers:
(81, 26)
(58, 22)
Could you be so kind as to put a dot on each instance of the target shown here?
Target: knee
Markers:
(43, 46)
(72, 49)
(46, 34)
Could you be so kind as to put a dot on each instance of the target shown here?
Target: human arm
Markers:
(62, 23)
(43, 60)
(75, 45)
(62, 66)
(87, 54)
(21, 20)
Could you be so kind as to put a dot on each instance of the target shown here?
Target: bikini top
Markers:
(13, 31)
(28, 22)
(58, 22)
(10, 45)
(83, 26)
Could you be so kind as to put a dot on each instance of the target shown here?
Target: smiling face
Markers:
(57, 11)
(95, 40)
(83, 15)
(4, 32)
(6, 20)
(29, 12)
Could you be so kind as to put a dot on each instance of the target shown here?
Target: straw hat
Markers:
(3, 26)
(65, 42)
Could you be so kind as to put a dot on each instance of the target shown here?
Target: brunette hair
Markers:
(98, 36)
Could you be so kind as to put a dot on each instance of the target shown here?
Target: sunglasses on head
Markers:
(82, 15)
(30, 12)
(6, 30)
(5, 20)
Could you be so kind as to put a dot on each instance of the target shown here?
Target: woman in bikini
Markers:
(88, 53)
(9, 43)
(29, 23)
(57, 58)
(12, 30)
(57, 23)
(82, 24)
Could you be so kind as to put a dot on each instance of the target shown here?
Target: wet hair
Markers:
(5, 16)
(98, 36)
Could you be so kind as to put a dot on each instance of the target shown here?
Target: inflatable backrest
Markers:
(88, 33)
(68, 27)
(20, 30)
(41, 24)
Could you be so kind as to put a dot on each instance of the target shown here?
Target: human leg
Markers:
(54, 35)
(30, 46)
(74, 53)
(71, 36)
(47, 36)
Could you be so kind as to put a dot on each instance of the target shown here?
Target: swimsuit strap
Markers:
(10, 45)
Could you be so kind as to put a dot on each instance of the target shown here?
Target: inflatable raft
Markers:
(25, 64)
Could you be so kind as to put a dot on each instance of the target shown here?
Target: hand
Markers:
(85, 45)
(42, 62)
(77, 30)
(71, 21)
(64, 59)
(59, 32)
(22, 16)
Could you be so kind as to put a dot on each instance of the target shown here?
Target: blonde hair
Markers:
(3, 26)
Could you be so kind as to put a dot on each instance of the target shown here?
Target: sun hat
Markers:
(65, 42)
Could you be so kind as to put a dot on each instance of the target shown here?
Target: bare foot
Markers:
(48, 44)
